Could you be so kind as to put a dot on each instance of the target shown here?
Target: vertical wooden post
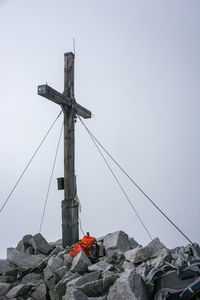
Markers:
(70, 224)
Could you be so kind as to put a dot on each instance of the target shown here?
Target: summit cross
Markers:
(70, 108)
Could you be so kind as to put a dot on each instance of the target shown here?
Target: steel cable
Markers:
(25, 169)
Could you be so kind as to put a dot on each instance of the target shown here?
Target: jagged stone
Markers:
(19, 290)
(84, 279)
(56, 251)
(50, 278)
(32, 278)
(100, 266)
(23, 262)
(74, 294)
(129, 286)
(29, 250)
(6, 269)
(40, 293)
(55, 263)
(93, 288)
(115, 257)
(117, 240)
(80, 263)
(4, 287)
(133, 243)
(101, 249)
(61, 271)
(24, 243)
(68, 260)
(141, 254)
(108, 281)
(97, 298)
(128, 265)
(161, 259)
(60, 288)
(56, 243)
(7, 279)
(40, 245)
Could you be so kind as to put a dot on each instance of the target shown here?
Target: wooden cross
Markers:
(70, 218)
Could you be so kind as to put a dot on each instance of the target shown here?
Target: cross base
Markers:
(70, 230)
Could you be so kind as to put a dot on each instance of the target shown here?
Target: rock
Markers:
(56, 251)
(74, 294)
(137, 255)
(161, 259)
(108, 281)
(84, 279)
(93, 288)
(32, 278)
(155, 247)
(29, 250)
(101, 249)
(97, 298)
(55, 263)
(100, 266)
(60, 288)
(133, 243)
(6, 269)
(80, 263)
(40, 245)
(50, 278)
(4, 287)
(128, 265)
(141, 254)
(56, 243)
(18, 290)
(117, 240)
(61, 271)
(40, 293)
(68, 260)
(24, 243)
(115, 257)
(129, 286)
(23, 262)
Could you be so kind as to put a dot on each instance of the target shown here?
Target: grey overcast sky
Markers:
(137, 68)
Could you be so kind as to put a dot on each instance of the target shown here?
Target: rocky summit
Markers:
(39, 270)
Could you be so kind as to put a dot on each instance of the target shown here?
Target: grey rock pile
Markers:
(37, 270)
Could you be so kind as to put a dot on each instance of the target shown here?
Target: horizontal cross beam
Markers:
(51, 94)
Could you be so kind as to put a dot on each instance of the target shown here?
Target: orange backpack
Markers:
(84, 245)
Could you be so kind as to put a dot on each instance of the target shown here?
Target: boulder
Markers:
(84, 279)
(19, 290)
(50, 278)
(80, 263)
(115, 257)
(60, 288)
(40, 245)
(61, 271)
(6, 269)
(133, 243)
(100, 266)
(163, 257)
(55, 263)
(4, 287)
(129, 286)
(108, 281)
(68, 260)
(93, 288)
(74, 294)
(32, 278)
(117, 240)
(40, 293)
(140, 254)
(24, 243)
(23, 262)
